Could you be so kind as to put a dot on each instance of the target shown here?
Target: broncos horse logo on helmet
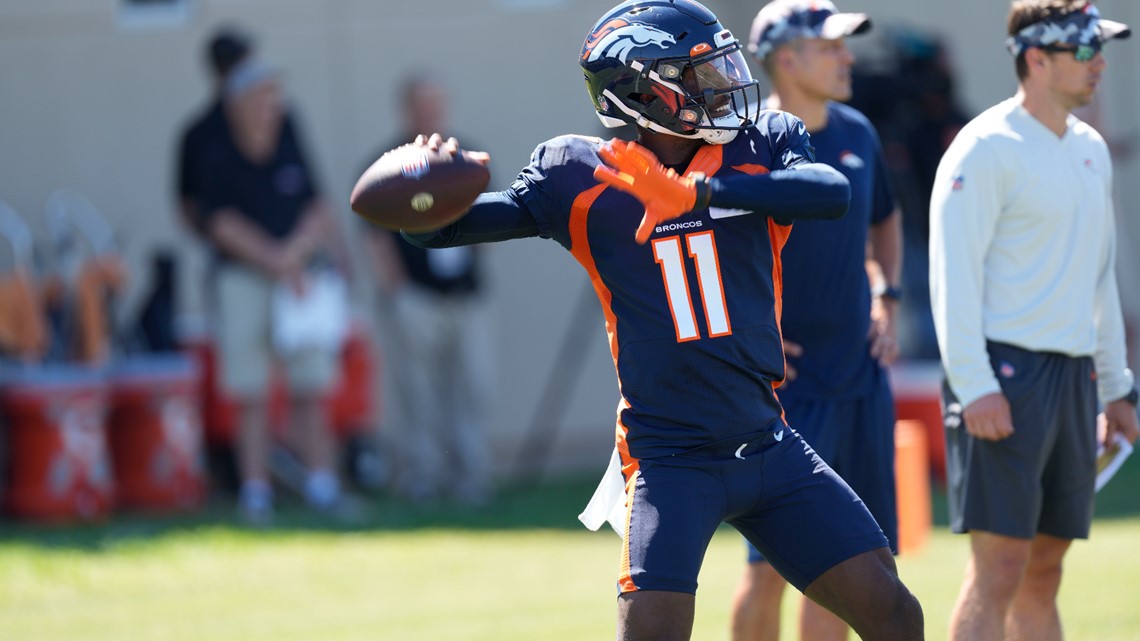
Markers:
(670, 67)
(618, 38)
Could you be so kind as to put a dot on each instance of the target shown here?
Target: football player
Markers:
(838, 328)
(680, 234)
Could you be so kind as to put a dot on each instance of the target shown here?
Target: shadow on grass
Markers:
(548, 505)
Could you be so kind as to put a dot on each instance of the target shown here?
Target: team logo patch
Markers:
(1006, 370)
(618, 38)
(415, 166)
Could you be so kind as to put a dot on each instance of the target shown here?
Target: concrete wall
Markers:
(92, 99)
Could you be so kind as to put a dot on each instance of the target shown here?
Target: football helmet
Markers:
(670, 67)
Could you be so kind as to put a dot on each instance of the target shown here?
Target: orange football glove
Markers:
(664, 194)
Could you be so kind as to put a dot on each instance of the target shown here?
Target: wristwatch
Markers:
(1132, 397)
(890, 292)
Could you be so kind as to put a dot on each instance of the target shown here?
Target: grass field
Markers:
(523, 569)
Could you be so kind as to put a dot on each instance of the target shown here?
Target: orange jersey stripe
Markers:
(779, 237)
(580, 249)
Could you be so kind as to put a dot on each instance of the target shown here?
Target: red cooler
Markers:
(350, 405)
(155, 431)
(58, 468)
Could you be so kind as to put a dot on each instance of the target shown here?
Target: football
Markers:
(418, 189)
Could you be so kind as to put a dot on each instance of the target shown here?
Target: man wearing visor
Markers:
(840, 294)
(1029, 324)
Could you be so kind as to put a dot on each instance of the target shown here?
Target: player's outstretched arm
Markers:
(804, 191)
(494, 217)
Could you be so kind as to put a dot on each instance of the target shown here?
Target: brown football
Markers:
(416, 189)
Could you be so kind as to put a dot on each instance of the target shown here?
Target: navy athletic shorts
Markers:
(1042, 478)
(857, 439)
(770, 485)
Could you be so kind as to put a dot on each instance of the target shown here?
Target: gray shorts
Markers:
(1041, 479)
(245, 350)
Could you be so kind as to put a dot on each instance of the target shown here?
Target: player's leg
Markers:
(1033, 616)
(866, 592)
(817, 623)
(655, 616)
(756, 604)
(816, 532)
(993, 573)
(855, 437)
(675, 507)
(860, 447)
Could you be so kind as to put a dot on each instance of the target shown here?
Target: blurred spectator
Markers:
(227, 47)
(260, 208)
(438, 341)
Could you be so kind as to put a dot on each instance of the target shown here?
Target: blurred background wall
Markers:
(93, 94)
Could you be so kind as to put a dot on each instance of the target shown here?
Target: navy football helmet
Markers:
(670, 67)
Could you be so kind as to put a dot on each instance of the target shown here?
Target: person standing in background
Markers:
(227, 48)
(840, 294)
(1029, 324)
(262, 212)
(439, 345)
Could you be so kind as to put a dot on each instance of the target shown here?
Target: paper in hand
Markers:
(1110, 458)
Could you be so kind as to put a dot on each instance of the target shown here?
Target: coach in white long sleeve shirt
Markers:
(1023, 249)
(1026, 308)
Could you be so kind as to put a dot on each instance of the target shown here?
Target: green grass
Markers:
(522, 569)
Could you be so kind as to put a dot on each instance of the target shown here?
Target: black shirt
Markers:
(272, 195)
(211, 125)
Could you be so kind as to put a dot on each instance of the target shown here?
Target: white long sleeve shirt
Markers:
(1023, 248)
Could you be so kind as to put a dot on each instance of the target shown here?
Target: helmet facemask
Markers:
(710, 97)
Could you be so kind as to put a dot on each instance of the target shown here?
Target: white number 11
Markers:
(702, 249)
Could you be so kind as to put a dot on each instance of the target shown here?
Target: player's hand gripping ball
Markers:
(421, 186)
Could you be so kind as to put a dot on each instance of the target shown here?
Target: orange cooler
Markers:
(58, 468)
(155, 431)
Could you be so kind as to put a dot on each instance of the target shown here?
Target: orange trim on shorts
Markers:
(629, 470)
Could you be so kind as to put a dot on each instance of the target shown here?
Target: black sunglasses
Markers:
(1081, 53)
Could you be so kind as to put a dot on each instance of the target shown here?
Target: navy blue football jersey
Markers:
(693, 315)
(827, 298)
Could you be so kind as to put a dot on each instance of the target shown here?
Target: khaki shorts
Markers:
(245, 351)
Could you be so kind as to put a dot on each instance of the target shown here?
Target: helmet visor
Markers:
(723, 85)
